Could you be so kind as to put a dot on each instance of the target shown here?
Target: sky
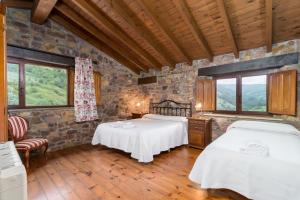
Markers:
(262, 79)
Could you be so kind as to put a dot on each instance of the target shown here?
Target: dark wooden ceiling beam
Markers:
(269, 24)
(26, 4)
(114, 30)
(187, 16)
(80, 21)
(150, 10)
(93, 41)
(261, 64)
(228, 28)
(120, 8)
(41, 10)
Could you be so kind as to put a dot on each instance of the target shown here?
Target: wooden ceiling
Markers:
(144, 34)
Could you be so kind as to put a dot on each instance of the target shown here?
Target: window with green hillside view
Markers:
(254, 93)
(13, 83)
(226, 94)
(242, 94)
(45, 86)
(35, 85)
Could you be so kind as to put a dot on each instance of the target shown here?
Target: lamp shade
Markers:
(198, 106)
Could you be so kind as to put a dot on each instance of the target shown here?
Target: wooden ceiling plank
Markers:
(228, 28)
(148, 8)
(120, 8)
(187, 16)
(269, 24)
(80, 21)
(25, 4)
(93, 41)
(115, 31)
(41, 10)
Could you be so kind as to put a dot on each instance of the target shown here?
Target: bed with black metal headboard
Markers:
(172, 108)
(151, 134)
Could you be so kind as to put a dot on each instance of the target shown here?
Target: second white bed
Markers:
(272, 177)
(144, 137)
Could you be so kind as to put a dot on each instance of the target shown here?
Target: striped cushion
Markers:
(31, 144)
(18, 127)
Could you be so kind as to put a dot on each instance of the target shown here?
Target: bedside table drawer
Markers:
(196, 138)
(197, 122)
(197, 125)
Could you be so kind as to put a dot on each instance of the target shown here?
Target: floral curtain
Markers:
(84, 91)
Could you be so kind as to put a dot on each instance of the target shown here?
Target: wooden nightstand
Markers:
(137, 115)
(199, 132)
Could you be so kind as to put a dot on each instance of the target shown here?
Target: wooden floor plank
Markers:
(120, 177)
(60, 183)
(34, 189)
(93, 180)
(50, 190)
(100, 173)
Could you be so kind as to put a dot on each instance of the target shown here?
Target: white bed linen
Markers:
(276, 177)
(147, 138)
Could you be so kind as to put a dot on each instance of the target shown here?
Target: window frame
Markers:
(236, 94)
(22, 82)
(239, 92)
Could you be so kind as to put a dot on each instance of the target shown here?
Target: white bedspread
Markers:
(275, 177)
(147, 137)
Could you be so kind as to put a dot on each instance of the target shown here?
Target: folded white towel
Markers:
(255, 148)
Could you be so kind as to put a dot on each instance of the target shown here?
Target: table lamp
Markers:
(138, 105)
(199, 107)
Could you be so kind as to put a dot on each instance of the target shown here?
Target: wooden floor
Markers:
(88, 172)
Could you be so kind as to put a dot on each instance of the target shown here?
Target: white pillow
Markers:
(165, 117)
(265, 126)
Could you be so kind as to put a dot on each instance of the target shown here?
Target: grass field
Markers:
(44, 86)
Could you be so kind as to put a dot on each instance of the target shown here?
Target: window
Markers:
(263, 92)
(45, 86)
(13, 86)
(32, 84)
(254, 93)
(242, 94)
(226, 94)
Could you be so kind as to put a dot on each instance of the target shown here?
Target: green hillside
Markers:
(253, 97)
(13, 84)
(45, 86)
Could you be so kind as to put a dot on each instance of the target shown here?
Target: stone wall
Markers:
(119, 86)
(179, 84)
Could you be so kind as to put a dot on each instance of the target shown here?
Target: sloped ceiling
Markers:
(144, 34)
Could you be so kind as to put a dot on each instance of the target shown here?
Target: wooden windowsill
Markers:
(243, 116)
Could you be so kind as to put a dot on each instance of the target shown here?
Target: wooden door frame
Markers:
(3, 77)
